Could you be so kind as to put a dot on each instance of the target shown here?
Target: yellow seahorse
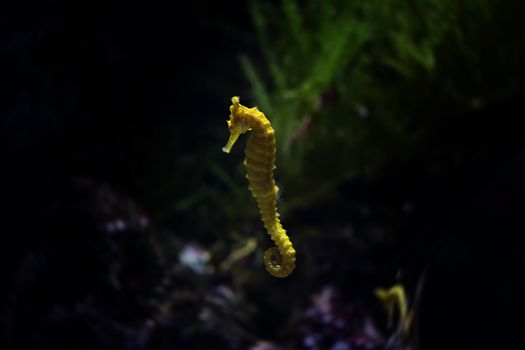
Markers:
(260, 162)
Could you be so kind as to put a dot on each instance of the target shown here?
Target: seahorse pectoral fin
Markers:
(231, 141)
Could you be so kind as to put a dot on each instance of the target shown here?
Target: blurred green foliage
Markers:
(354, 86)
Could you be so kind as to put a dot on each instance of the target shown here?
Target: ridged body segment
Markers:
(260, 163)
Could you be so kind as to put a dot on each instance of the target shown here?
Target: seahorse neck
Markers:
(258, 130)
(258, 125)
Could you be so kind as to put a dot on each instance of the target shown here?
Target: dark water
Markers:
(125, 227)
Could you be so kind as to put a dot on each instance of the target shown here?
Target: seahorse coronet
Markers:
(260, 163)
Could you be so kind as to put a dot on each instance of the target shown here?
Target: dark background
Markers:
(94, 94)
(100, 103)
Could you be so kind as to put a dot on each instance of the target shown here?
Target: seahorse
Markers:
(260, 163)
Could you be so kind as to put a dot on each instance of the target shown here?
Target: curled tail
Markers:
(280, 260)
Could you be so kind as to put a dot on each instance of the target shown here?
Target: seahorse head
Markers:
(237, 124)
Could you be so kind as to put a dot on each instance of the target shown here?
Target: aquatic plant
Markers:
(365, 82)
(395, 298)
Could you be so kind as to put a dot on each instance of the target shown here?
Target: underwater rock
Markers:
(196, 258)
(333, 323)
